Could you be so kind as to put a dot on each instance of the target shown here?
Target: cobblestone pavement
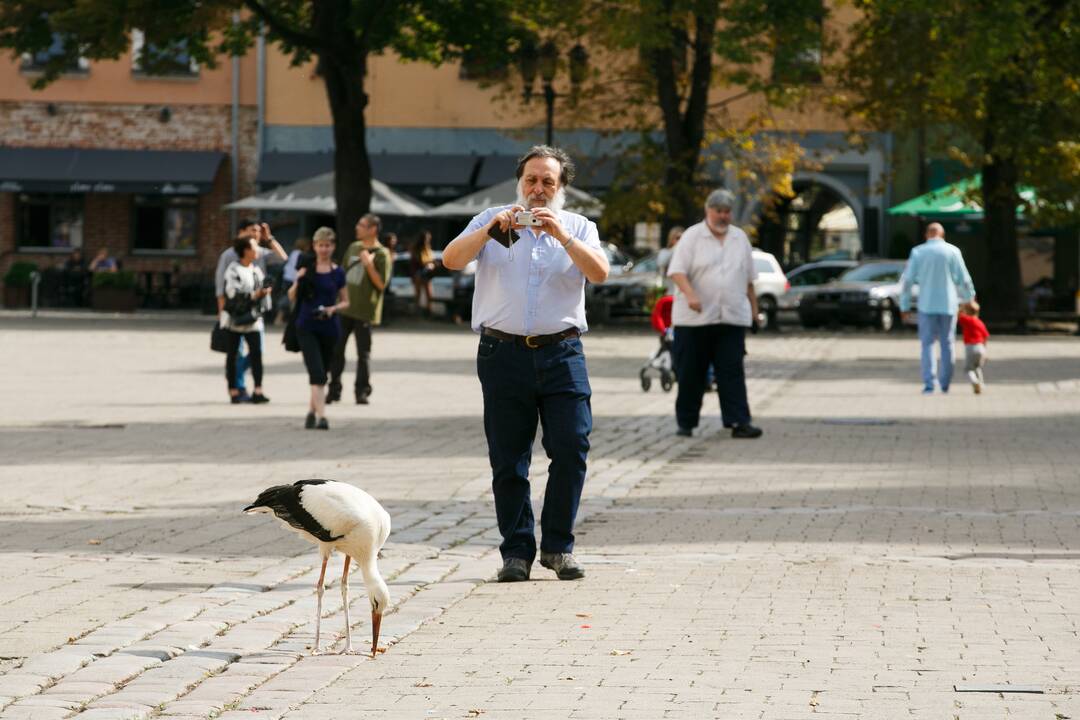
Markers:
(874, 553)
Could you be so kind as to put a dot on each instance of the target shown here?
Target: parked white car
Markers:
(770, 284)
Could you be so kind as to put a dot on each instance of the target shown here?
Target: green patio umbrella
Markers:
(956, 201)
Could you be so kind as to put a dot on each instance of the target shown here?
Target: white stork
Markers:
(336, 516)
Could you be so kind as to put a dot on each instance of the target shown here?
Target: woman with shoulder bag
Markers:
(318, 293)
(246, 299)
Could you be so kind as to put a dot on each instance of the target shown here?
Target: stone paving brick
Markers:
(873, 563)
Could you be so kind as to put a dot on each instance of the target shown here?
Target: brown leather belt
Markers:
(532, 341)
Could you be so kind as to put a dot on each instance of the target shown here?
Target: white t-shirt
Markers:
(718, 271)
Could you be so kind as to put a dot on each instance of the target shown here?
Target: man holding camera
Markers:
(265, 248)
(367, 273)
(533, 259)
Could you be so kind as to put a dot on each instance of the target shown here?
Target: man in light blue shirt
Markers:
(938, 269)
(533, 259)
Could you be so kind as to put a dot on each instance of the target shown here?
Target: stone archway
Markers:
(792, 228)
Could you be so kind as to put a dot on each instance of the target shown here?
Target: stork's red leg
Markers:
(318, 605)
(345, 605)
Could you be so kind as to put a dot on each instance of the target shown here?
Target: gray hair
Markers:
(566, 165)
(324, 234)
(720, 199)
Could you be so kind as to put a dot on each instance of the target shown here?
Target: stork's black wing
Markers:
(284, 501)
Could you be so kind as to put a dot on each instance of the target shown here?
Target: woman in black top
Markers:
(320, 291)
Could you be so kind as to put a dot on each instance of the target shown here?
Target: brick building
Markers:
(111, 157)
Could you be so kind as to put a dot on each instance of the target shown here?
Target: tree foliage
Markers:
(1000, 76)
(670, 71)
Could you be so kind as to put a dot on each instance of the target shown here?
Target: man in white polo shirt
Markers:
(713, 267)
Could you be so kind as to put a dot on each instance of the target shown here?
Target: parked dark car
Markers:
(625, 292)
(811, 277)
(865, 295)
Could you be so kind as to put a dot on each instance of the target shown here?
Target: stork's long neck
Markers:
(373, 581)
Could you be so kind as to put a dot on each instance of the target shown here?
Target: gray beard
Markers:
(555, 204)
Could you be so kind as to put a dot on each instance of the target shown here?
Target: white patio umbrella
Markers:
(505, 193)
(316, 194)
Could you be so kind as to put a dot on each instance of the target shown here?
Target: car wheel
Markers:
(766, 313)
(887, 318)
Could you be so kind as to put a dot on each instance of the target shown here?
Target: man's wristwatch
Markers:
(567, 243)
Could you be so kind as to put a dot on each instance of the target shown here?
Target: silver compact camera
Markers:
(526, 218)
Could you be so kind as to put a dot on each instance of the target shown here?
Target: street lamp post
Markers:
(545, 60)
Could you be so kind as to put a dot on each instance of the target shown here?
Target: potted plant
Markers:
(17, 282)
(114, 291)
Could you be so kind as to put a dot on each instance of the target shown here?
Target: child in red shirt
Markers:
(975, 335)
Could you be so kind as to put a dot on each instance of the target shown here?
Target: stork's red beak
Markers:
(376, 621)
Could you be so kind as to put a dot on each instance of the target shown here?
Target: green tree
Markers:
(341, 35)
(1002, 76)
(663, 66)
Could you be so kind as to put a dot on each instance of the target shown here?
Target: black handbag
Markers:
(289, 338)
(218, 340)
(241, 309)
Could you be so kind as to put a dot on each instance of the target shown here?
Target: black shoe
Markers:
(565, 565)
(322, 424)
(747, 432)
(684, 431)
(243, 397)
(259, 399)
(514, 570)
(235, 399)
(309, 421)
(362, 400)
(333, 394)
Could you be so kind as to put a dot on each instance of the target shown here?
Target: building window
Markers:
(165, 225)
(49, 222)
(169, 60)
(39, 61)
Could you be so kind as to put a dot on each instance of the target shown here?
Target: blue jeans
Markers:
(940, 328)
(521, 386)
(243, 362)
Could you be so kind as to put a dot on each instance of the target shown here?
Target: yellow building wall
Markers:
(112, 81)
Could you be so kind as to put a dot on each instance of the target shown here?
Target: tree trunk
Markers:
(352, 168)
(1002, 296)
(343, 65)
(684, 132)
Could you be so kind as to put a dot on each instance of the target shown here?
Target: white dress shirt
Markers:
(719, 271)
(532, 287)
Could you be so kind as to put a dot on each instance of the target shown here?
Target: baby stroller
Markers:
(660, 361)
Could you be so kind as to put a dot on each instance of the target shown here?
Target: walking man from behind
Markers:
(713, 267)
(367, 273)
(533, 259)
(938, 269)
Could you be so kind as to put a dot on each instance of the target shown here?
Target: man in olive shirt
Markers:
(367, 274)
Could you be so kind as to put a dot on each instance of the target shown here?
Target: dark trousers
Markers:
(361, 330)
(521, 386)
(318, 352)
(695, 348)
(254, 357)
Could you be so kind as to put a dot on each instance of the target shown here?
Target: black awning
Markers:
(398, 169)
(592, 172)
(77, 170)
(424, 169)
(283, 168)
